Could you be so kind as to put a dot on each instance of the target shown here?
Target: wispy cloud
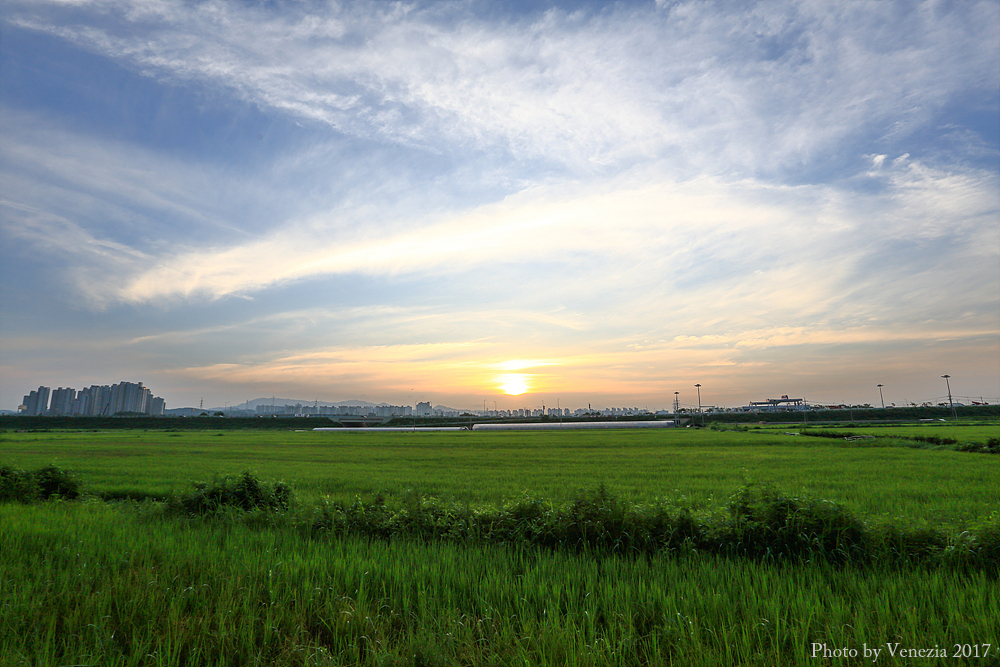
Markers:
(586, 197)
(767, 86)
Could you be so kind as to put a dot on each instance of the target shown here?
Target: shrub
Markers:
(42, 484)
(985, 541)
(992, 446)
(914, 546)
(762, 523)
(53, 481)
(766, 523)
(16, 485)
(245, 492)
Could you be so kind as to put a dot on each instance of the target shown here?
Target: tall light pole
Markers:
(699, 403)
(881, 396)
(952, 405)
(677, 402)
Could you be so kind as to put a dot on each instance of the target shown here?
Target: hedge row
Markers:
(760, 523)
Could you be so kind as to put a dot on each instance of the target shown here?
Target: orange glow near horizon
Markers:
(513, 384)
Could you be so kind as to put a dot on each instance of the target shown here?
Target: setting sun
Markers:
(513, 384)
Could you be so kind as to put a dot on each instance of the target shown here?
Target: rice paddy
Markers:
(126, 583)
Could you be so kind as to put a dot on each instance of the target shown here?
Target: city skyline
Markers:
(98, 400)
(92, 401)
(456, 202)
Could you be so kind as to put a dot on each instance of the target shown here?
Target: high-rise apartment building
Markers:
(62, 401)
(37, 402)
(157, 407)
(129, 397)
(95, 401)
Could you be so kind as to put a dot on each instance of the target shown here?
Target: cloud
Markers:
(765, 87)
(802, 247)
(604, 194)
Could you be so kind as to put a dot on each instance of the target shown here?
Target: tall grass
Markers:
(89, 584)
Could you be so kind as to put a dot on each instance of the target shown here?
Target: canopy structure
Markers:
(394, 429)
(563, 426)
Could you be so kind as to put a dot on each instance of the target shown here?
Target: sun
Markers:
(513, 384)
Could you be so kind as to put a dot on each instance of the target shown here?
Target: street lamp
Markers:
(699, 403)
(881, 396)
(952, 405)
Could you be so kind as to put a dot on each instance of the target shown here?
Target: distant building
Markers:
(37, 402)
(157, 407)
(62, 401)
(94, 401)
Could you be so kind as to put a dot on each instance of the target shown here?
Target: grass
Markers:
(98, 586)
(147, 583)
(696, 468)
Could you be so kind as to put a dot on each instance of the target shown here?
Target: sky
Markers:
(575, 203)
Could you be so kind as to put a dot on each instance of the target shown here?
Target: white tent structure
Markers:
(394, 429)
(563, 426)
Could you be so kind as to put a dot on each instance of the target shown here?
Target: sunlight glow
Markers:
(513, 384)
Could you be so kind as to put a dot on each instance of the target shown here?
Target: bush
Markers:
(984, 541)
(992, 446)
(43, 484)
(766, 523)
(53, 481)
(245, 493)
(16, 485)
(762, 523)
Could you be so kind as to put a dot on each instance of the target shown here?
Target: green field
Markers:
(698, 467)
(95, 583)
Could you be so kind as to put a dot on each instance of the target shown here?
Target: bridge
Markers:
(774, 404)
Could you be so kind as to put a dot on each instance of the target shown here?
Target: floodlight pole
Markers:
(699, 404)
(950, 403)
(881, 396)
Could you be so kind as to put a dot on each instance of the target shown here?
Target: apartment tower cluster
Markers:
(94, 401)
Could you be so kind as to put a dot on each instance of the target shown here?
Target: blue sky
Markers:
(396, 202)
